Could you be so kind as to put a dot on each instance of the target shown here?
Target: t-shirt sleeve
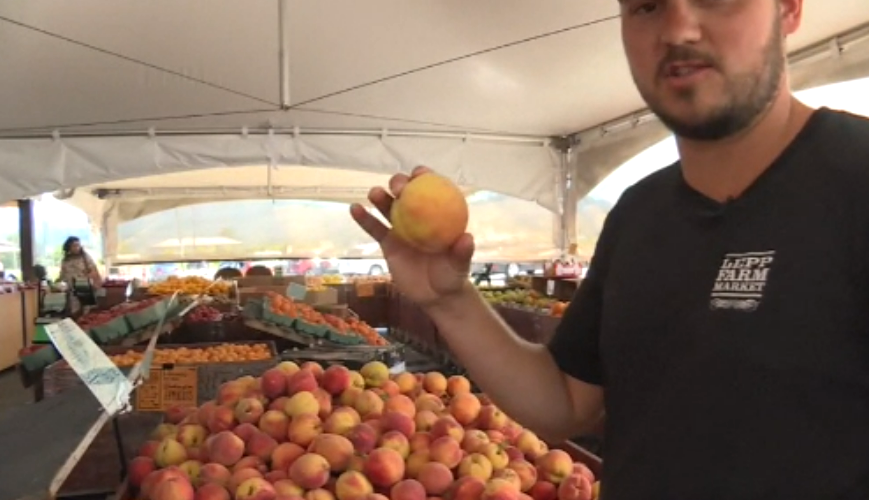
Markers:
(576, 343)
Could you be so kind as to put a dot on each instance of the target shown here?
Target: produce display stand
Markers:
(45, 442)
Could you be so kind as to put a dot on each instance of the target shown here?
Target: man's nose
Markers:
(681, 23)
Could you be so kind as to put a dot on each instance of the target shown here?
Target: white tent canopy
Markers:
(510, 96)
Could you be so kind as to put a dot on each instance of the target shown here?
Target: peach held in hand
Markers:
(430, 214)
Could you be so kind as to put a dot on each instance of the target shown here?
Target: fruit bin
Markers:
(59, 377)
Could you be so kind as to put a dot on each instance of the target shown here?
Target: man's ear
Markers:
(791, 15)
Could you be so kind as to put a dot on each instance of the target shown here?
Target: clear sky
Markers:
(850, 96)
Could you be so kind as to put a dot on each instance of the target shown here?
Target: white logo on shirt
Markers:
(741, 281)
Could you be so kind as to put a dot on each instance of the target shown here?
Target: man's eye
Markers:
(644, 8)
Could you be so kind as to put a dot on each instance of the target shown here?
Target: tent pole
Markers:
(284, 54)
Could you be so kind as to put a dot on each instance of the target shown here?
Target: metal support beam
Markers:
(284, 53)
(26, 238)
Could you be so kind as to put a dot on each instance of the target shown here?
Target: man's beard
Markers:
(747, 96)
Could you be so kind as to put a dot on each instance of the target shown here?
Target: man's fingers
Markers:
(419, 171)
(368, 222)
(381, 200)
(462, 252)
(397, 183)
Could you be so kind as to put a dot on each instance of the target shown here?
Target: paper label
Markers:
(550, 287)
(364, 289)
(296, 291)
(105, 380)
(169, 387)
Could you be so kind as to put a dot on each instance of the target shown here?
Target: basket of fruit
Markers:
(275, 312)
(105, 326)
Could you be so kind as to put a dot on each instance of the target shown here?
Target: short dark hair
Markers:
(67, 245)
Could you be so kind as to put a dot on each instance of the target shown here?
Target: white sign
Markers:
(107, 383)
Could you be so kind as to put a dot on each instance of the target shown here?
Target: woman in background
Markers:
(77, 265)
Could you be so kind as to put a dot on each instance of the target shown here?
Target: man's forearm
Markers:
(520, 377)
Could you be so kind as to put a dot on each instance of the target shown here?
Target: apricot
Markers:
(425, 420)
(458, 384)
(465, 408)
(274, 423)
(447, 451)
(384, 467)
(396, 441)
(448, 426)
(430, 214)
(302, 403)
(342, 421)
(435, 383)
(375, 373)
(414, 463)
(528, 443)
(401, 404)
(435, 477)
(408, 489)
(429, 402)
(364, 438)
(420, 441)
(406, 382)
(288, 367)
(304, 428)
(368, 403)
(285, 454)
(492, 418)
(337, 450)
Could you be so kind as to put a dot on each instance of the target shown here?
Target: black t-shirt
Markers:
(732, 340)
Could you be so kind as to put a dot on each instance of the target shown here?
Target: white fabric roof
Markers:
(95, 93)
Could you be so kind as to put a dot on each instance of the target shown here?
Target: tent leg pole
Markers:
(284, 54)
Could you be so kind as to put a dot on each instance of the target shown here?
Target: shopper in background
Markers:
(726, 371)
(77, 265)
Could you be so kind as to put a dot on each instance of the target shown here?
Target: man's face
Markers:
(708, 68)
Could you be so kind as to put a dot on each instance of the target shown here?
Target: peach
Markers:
(175, 414)
(390, 387)
(273, 383)
(375, 373)
(250, 463)
(399, 422)
(408, 489)
(555, 466)
(384, 467)
(583, 470)
(513, 453)
(286, 487)
(467, 488)
(414, 463)
(229, 393)
(416, 221)
(375, 423)
(304, 428)
(203, 414)
(448, 426)
(396, 441)
(302, 403)
(458, 384)
(337, 450)
(364, 438)
(214, 473)
(401, 404)
(496, 454)
(509, 475)
(542, 450)
(225, 448)
(543, 490)
(527, 442)
(285, 454)
(149, 448)
(474, 440)
(342, 420)
(435, 477)
(315, 368)
(435, 383)
(288, 367)
(425, 420)
(170, 452)
(319, 494)
(357, 463)
(173, 488)
(164, 431)
(139, 469)
(336, 379)
(496, 437)
(447, 451)
(500, 489)
(348, 397)
(476, 465)
(155, 477)
(492, 418)
(368, 403)
(406, 382)
(324, 402)
(278, 404)
(575, 487)
(275, 424)
(191, 469)
(245, 431)
(301, 381)
(248, 410)
(352, 485)
(595, 490)
(274, 476)
(222, 418)
(376, 496)
(429, 402)
(357, 380)
(212, 491)
(310, 471)
(526, 472)
(465, 408)
(420, 441)
(261, 445)
(255, 488)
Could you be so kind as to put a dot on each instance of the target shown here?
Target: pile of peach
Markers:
(305, 433)
(285, 306)
(223, 353)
